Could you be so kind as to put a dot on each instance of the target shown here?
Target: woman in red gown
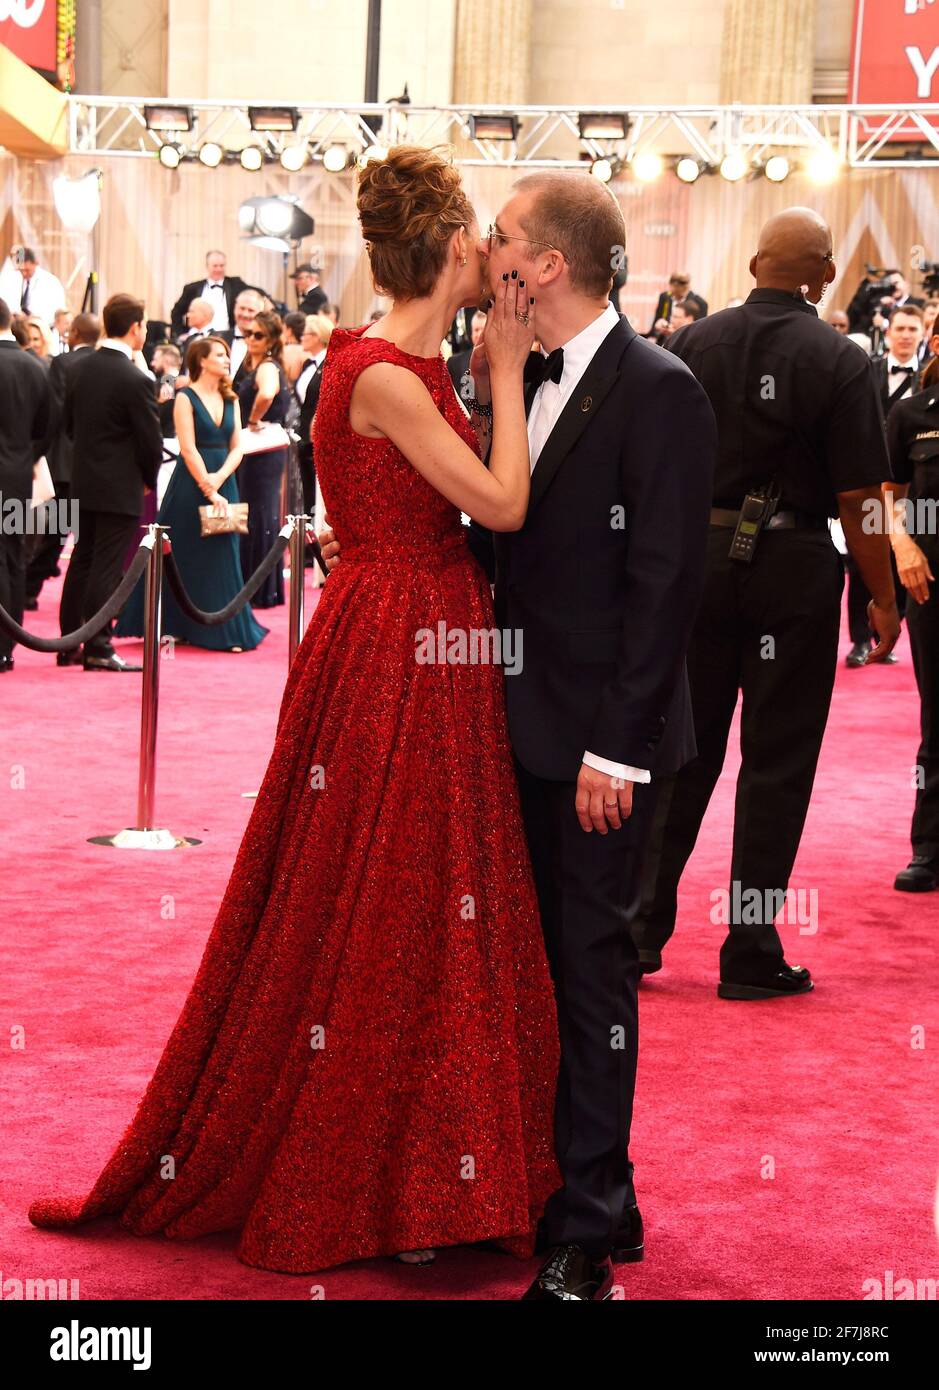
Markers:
(366, 1062)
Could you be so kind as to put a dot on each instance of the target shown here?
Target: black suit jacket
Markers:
(663, 307)
(26, 418)
(111, 415)
(59, 451)
(603, 580)
(314, 301)
(457, 364)
(882, 380)
(233, 287)
(308, 410)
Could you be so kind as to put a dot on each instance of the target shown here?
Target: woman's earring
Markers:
(463, 262)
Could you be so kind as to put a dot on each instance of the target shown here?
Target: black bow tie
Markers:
(910, 371)
(538, 368)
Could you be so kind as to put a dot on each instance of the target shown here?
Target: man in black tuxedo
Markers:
(247, 307)
(679, 292)
(458, 362)
(26, 413)
(896, 376)
(311, 297)
(600, 589)
(112, 418)
(83, 334)
(219, 289)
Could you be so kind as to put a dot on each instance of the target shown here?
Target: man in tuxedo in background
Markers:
(84, 332)
(29, 288)
(247, 307)
(111, 416)
(26, 413)
(199, 317)
(311, 297)
(601, 586)
(219, 289)
(679, 292)
(458, 362)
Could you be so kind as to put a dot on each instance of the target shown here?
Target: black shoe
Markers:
(69, 658)
(791, 979)
(108, 663)
(6, 664)
(628, 1243)
(858, 654)
(31, 604)
(649, 962)
(570, 1275)
(919, 876)
(890, 659)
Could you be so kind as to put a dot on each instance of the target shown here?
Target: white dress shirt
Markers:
(549, 400)
(239, 349)
(895, 375)
(306, 376)
(117, 346)
(214, 292)
(46, 295)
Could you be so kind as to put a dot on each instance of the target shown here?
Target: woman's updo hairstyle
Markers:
(410, 203)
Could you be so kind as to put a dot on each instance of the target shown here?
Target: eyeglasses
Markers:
(254, 333)
(495, 234)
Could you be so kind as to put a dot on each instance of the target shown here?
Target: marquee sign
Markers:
(28, 29)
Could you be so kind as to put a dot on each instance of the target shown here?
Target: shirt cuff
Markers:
(621, 770)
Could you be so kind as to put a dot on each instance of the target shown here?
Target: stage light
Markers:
(170, 155)
(733, 166)
(822, 165)
(499, 127)
(252, 157)
(777, 168)
(687, 169)
(293, 158)
(274, 223)
(647, 166)
(602, 125)
(78, 201)
(335, 159)
(602, 169)
(273, 117)
(373, 152)
(211, 154)
(168, 119)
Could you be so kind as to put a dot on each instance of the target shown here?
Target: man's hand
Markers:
(913, 568)
(329, 548)
(602, 801)
(886, 623)
(661, 326)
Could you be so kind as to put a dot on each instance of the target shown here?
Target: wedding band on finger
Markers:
(522, 318)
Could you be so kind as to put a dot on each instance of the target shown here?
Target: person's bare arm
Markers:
(186, 434)
(395, 403)
(268, 381)
(912, 565)
(870, 549)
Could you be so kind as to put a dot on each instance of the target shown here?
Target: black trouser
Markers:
(12, 582)
(588, 886)
(94, 572)
(791, 593)
(859, 597)
(922, 622)
(44, 561)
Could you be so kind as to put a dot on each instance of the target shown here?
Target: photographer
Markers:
(877, 296)
(165, 365)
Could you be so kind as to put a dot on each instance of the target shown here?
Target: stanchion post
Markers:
(297, 547)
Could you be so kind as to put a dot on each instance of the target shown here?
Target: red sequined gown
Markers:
(366, 1061)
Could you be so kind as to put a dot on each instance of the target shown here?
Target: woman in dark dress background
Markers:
(208, 426)
(264, 393)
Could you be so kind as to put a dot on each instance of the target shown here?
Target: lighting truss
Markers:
(892, 137)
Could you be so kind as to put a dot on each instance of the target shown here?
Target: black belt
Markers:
(779, 521)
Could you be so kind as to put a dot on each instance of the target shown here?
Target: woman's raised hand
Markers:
(510, 325)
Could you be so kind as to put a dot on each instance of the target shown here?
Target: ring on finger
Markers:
(522, 318)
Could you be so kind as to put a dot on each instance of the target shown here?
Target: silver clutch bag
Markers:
(236, 520)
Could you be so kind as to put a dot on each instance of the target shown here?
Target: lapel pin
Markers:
(586, 403)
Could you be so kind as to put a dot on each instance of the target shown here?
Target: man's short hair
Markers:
(169, 348)
(243, 294)
(216, 253)
(680, 277)
(121, 312)
(578, 216)
(6, 316)
(691, 307)
(912, 310)
(86, 328)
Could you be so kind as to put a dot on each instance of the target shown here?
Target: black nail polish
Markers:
(506, 276)
(521, 284)
(514, 274)
(531, 299)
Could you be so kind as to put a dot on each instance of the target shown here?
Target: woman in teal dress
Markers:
(208, 426)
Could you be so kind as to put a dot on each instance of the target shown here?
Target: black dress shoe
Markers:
(792, 979)
(858, 654)
(569, 1274)
(649, 962)
(919, 876)
(6, 664)
(108, 663)
(628, 1243)
(69, 658)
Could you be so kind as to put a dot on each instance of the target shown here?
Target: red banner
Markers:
(28, 29)
(895, 52)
